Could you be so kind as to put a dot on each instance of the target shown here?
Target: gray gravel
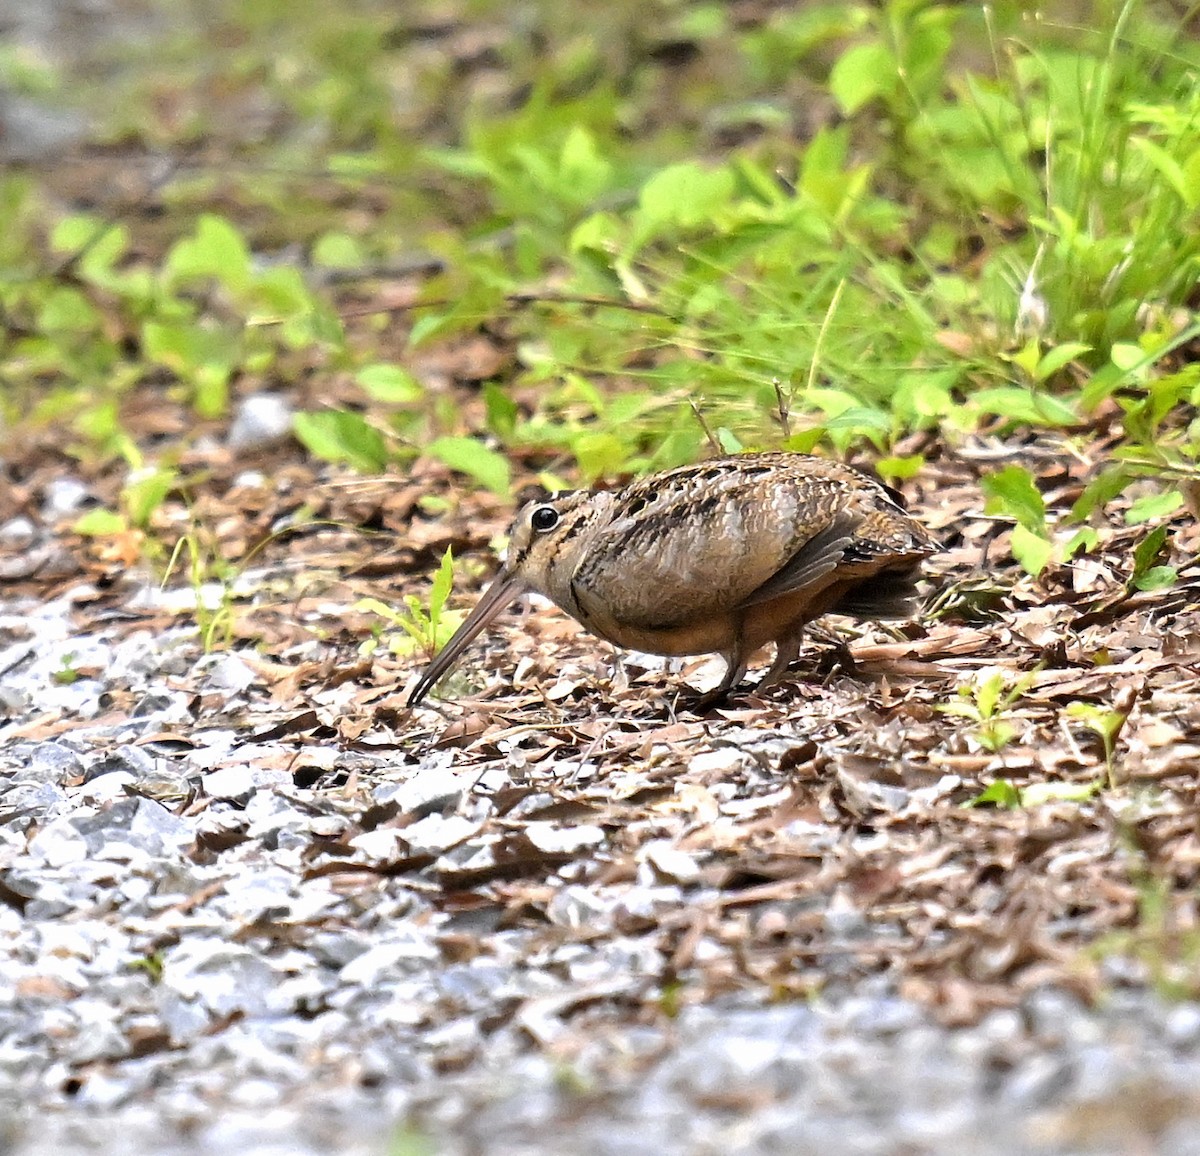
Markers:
(178, 979)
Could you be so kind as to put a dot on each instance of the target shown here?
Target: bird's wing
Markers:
(814, 560)
(691, 544)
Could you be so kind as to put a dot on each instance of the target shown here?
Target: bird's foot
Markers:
(701, 702)
(837, 659)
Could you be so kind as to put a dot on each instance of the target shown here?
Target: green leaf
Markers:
(1083, 540)
(98, 264)
(1168, 168)
(1028, 357)
(995, 734)
(987, 694)
(900, 467)
(1038, 794)
(1104, 722)
(1031, 550)
(1153, 506)
(443, 582)
(320, 325)
(599, 454)
(1101, 490)
(730, 442)
(390, 384)
(684, 194)
(831, 402)
(338, 435)
(502, 411)
(861, 74)
(1146, 553)
(961, 708)
(216, 250)
(210, 390)
(1012, 491)
(600, 233)
(473, 458)
(100, 524)
(1059, 356)
(338, 251)
(382, 609)
(409, 1140)
(925, 46)
(186, 346)
(805, 441)
(67, 310)
(1000, 793)
(1104, 381)
(1157, 578)
(1024, 405)
(861, 418)
(75, 233)
(431, 325)
(823, 176)
(1127, 356)
(280, 294)
(584, 172)
(145, 491)
(203, 357)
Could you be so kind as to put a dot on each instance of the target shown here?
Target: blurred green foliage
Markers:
(882, 218)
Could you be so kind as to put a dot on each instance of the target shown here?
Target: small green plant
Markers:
(211, 578)
(1008, 796)
(985, 702)
(151, 965)
(1106, 724)
(1160, 940)
(66, 674)
(423, 627)
(671, 998)
(468, 456)
(338, 435)
(1011, 492)
(1148, 574)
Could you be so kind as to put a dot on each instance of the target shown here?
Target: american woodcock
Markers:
(723, 556)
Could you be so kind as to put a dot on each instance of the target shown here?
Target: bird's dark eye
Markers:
(544, 518)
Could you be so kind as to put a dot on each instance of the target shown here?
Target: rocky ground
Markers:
(250, 900)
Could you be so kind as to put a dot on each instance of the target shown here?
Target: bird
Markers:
(722, 556)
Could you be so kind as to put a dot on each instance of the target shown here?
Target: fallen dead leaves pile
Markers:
(561, 814)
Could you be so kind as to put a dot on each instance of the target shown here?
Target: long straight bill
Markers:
(495, 598)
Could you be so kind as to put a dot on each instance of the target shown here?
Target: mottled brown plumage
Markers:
(724, 556)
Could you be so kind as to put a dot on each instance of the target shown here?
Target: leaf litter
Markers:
(259, 859)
